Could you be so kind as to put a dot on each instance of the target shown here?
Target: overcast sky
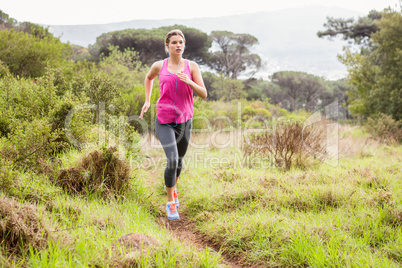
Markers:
(53, 12)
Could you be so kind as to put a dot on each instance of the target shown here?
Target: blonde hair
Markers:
(172, 33)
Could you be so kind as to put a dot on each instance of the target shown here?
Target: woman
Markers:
(178, 79)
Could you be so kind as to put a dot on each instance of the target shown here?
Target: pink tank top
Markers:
(175, 104)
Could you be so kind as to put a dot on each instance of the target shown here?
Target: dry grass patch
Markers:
(21, 226)
(97, 172)
(289, 143)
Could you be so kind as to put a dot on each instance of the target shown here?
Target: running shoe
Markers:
(171, 209)
(175, 196)
(176, 200)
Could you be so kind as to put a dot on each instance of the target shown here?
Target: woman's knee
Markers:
(172, 163)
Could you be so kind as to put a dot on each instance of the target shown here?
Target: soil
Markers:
(186, 232)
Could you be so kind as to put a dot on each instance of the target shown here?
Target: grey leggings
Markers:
(174, 139)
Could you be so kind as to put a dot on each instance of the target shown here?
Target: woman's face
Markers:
(176, 45)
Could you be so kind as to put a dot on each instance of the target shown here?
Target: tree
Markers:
(358, 32)
(312, 87)
(234, 57)
(258, 88)
(150, 43)
(299, 89)
(27, 55)
(290, 84)
(227, 89)
(6, 22)
(377, 77)
(338, 91)
(102, 92)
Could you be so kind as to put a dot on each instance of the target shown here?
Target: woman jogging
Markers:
(178, 79)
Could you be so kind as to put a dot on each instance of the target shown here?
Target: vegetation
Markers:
(322, 216)
(358, 31)
(264, 182)
(234, 57)
(149, 43)
(374, 72)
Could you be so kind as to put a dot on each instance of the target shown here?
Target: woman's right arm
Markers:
(149, 79)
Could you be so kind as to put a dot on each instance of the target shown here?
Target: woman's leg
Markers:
(167, 137)
(182, 144)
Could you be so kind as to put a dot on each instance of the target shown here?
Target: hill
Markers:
(288, 39)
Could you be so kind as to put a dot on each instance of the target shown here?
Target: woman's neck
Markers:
(175, 59)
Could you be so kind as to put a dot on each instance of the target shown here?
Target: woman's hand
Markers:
(145, 108)
(183, 77)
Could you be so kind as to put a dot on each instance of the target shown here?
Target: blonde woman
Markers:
(178, 79)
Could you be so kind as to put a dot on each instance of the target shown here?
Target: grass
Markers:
(84, 227)
(349, 215)
(344, 216)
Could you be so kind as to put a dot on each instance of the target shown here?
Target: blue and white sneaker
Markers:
(175, 196)
(171, 209)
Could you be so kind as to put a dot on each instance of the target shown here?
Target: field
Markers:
(235, 211)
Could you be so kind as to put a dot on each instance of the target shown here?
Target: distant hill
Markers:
(287, 38)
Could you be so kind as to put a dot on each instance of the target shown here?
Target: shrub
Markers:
(8, 178)
(29, 141)
(251, 111)
(288, 142)
(73, 123)
(384, 128)
(27, 55)
(4, 71)
(98, 172)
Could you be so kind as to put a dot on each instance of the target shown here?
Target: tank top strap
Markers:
(164, 65)
(187, 66)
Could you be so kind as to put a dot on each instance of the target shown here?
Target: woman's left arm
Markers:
(197, 84)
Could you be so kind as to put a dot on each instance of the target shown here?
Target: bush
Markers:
(98, 172)
(288, 142)
(27, 55)
(43, 105)
(29, 141)
(8, 178)
(384, 128)
(4, 71)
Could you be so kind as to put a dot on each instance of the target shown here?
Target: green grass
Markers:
(344, 216)
(83, 228)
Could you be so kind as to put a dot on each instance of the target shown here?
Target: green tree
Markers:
(227, 89)
(338, 90)
(258, 88)
(27, 27)
(6, 21)
(150, 43)
(312, 88)
(290, 84)
(234, 56)
(27, 55)
(299, 89)
(377, 77)
(102, 93)
(357, 31)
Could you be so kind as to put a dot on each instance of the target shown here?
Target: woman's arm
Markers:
(197, 84)
(148, 82)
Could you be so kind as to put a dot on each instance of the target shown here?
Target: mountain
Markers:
(287, 38)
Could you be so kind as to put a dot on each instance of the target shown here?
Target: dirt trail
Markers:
(184, 230)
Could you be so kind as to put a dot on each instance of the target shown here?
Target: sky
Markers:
(77, 12)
